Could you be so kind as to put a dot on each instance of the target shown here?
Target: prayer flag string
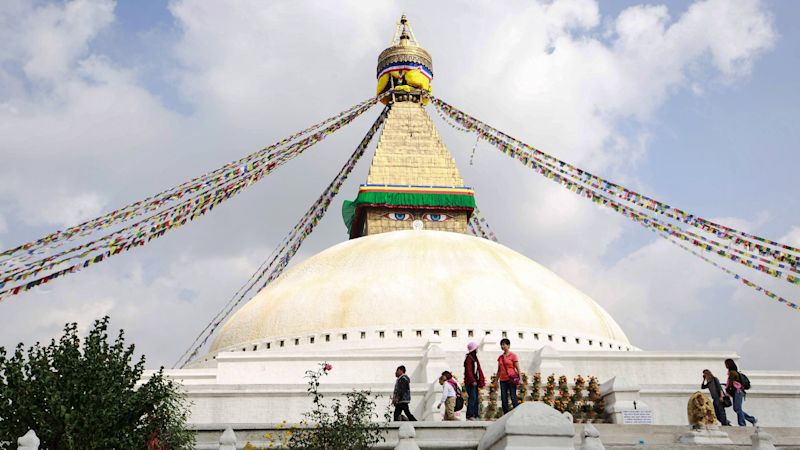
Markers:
(14, 257)
(580, 185)
(477, 223)
(157, 225)
(736, 276)
(737, 237)
(283, 253)
(192, 207)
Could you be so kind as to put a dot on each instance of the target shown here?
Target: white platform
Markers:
(268, 386)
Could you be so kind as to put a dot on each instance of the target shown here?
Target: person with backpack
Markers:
(473, 380)
(508, 374)
(736, 386)
(450, 394)
(711, 383)
(402, 394)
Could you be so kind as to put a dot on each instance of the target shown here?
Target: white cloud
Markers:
(48, 39)
(574, 94)
(735, 33)
(240, 57)
(64, 209)
(668, 299)
(792, 237)
(161, 314)
(567, 88)
(651, 290)
(91, 136)
(84, 313)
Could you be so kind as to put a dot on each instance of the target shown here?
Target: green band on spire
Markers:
(407, 199)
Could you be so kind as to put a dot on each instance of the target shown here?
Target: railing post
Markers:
(407, 435)
(621, 396)
(590, 438)
(28, 442)
(761, 440)
(228, 440)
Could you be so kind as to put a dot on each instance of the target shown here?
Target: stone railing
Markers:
(532, 425)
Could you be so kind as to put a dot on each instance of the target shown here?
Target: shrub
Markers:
(353, 425)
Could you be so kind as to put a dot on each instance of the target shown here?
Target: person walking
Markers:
(711, 383)
(508, 374)
(735, 388)
(402, 394)
(473, 380)
(448, 396)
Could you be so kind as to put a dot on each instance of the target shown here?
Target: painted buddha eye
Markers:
(436, 217)
(399, 216)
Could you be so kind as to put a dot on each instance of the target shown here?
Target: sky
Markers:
(694, 103)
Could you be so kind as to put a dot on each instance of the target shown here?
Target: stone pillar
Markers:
(761, 440)
(434, 360)
(590, 438)
(490, 344)
(547, 360)
(407, 435)
(426, 409)
(623, 404)
(531, 425)
(228, 440)
(433, 363)
(28, 442)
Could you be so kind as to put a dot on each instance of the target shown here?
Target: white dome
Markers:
(417, 279)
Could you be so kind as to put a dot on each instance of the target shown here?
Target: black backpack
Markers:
(745, 381)
(459, 399)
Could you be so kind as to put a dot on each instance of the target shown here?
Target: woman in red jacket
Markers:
(473, 380)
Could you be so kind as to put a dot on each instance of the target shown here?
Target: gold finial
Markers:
(405, 68)
(403, 34)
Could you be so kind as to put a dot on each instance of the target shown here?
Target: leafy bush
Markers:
(86, 397)
(353, 425)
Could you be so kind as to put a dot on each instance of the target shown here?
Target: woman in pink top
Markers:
(735, 388)
(508, 374)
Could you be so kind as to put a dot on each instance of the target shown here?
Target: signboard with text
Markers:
(637, 417)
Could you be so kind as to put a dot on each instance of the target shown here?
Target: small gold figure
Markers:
(701, 411)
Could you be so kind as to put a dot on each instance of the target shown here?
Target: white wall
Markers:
(269, 386)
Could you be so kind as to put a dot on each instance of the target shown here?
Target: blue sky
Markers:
(745, 131)
(129, 98)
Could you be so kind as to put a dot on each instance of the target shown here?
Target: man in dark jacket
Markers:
(402, 394)
(711, 383)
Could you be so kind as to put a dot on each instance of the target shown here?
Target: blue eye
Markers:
(436, 217)
(398, 216)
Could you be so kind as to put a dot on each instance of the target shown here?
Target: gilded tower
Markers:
(413, 181)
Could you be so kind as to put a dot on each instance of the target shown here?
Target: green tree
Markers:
(85, 397)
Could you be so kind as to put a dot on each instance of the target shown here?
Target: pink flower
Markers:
(327, 367)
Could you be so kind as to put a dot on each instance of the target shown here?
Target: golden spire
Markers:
(404, 68)
(413, 182)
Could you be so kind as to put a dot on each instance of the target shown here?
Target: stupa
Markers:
(412, 287)
(410, 267)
